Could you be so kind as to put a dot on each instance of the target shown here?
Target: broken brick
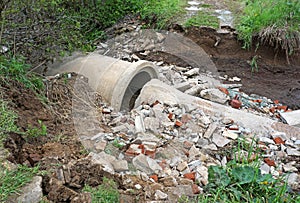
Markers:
(195, 189)
(278, 140)
(270, 162)
(191, 176)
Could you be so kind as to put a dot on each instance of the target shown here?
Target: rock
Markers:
(169, 181)
(203, 172)
(193, 152)
(31, 192)
(293, 180)
(139, 125)
(219, 140)
(146, 164)
(292, 152)
(289, 167)
(191, 176)
(120, 165)
(152, 124)
(100, 146)
(183, 86)
(292, 118)
(138, 186)
(182, 166)
(210, 131)
(196, 189)
(214, 95)
(195, 90)
(266, 140)
(211, 146)
(194, 71)
(265, 168)
(229, 134)
(181, 190)
(104, 160)
(159, 195)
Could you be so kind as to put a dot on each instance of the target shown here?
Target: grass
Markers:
(12, 180)
(203, 18)
(242, 181)
(107, 192)
(7, 120)
(275, 23)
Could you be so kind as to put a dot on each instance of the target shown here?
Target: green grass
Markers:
(107, 192)
(7, 120)
(274, 22)
(203, 18)
(12, 180)
(12, 68)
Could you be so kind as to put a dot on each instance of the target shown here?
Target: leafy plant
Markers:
(118, 144)
(107, 192)
(12, 180)
(242, 181)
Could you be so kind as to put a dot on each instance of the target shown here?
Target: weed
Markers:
(118, 144)
(17, 69)
(7, 120)
(36, 131)
(105, 193)
(12, 180)
(253, 64)
(203, 18)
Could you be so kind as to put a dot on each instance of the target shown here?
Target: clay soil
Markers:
(274, 78)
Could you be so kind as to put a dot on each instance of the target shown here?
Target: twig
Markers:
(36, 67)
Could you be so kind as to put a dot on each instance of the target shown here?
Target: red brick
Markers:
(191, 176)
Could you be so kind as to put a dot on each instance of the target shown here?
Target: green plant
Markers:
(36, 131)
(16, 69)
(203, 18)
(12, 180)
(274, 22)
(107, 192)
(253, 64)
(242, 181)
(118, 144)
(7, 120)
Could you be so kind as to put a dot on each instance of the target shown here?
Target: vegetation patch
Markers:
(12, 180)
(105, 193)
(203, 18)
(275, 23)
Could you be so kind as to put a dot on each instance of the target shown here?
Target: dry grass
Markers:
(280, 39)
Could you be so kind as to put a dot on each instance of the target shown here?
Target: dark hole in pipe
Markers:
(133, 90)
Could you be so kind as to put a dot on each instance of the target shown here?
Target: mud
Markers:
(274, 78)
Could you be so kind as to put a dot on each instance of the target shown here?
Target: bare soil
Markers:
(275, 78)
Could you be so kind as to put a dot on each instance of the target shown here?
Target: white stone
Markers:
(194, 71)
(265, 168)
(159, 195)
(120, 165)
(292, 152)
(139, 125)
(211, 146)
(214, 95)
(31, 192)
(266, 140)
(229, 134)
(182, 166)
(292, 118)
(219, 140)
(138, 186)
(289, 168)
(146, 164)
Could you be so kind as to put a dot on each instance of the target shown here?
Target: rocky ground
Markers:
(160, 150)
(157, 151)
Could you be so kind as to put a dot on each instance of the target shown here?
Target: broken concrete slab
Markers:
(156, 90)
(292, 118)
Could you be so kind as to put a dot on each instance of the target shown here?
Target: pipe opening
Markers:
(133, 90)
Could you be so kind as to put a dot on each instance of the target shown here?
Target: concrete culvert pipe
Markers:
(119, 82)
